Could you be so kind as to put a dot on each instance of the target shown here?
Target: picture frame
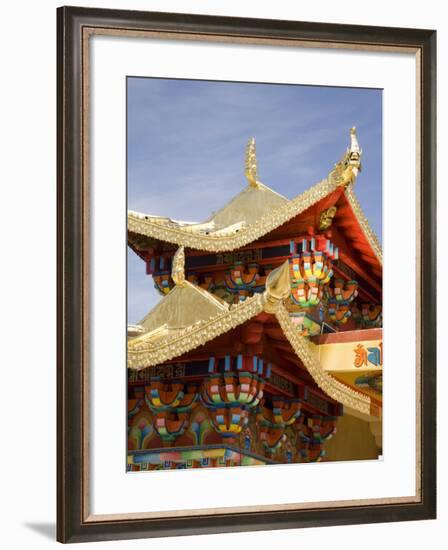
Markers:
(76, 26)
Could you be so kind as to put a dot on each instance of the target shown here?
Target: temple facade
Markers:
(266, 346)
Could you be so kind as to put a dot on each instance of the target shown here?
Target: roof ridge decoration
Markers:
(178, 267)
(354, 152)
(369, 233)
(179, 308)
(144, 352)
(332, 387)
(202, 237)
(251, 163)
(247, 234)
(278, 287)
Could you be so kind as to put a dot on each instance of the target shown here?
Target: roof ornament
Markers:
(326, 218)
(354, 153)
(251, 163)
(347, 170)
(178, 267)
(278, 287)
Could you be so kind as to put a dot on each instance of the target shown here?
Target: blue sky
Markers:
(187, 139)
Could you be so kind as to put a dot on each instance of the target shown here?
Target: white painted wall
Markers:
(27, 217)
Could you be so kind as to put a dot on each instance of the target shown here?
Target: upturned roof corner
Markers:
(257, 210)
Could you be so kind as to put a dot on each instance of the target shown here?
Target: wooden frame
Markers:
(74, 27)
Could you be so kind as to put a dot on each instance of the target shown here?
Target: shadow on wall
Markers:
(47, 530)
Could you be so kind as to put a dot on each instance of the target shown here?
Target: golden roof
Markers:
(247, 207)
(257, 210)
(183, 306)
(188, 317)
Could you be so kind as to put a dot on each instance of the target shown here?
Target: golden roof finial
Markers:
(251, 163)
(354, 153)
(347, 170)
(354, 145)
(278, 287)
(178, 267)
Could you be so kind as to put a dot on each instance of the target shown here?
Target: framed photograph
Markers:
(246, 211)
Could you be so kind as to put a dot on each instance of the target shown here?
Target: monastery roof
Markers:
(189, 317)
(182, 307)
(257, 210)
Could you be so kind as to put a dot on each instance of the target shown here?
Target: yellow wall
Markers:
(352, 441)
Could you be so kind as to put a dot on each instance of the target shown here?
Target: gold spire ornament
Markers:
(251, 163)
(178, 267)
